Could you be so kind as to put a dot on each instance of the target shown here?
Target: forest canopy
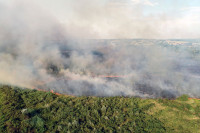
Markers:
(26, 110)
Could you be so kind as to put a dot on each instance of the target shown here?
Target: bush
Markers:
(34, 111)
(183, 98)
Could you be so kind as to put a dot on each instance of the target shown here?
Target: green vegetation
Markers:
(24, 110)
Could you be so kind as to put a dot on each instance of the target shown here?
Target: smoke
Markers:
(38, 51)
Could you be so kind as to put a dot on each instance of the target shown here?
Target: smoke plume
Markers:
(38, 51)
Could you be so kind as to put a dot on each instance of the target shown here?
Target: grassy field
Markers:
(25, 110)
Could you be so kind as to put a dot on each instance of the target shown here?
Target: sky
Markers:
(151, 19)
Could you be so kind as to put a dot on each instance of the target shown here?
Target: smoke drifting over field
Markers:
(37, 51)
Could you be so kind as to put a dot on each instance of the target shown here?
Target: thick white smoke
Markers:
(37, 51)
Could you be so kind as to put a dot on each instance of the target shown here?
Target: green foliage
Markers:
(183, 98)
(11, 101)
(175, 104)
(35, 111)
(24, 110)
(181, 116)
(197, 110)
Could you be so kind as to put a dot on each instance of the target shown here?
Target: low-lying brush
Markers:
(25, 110)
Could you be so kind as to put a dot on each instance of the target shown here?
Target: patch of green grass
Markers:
(183, 98)
(179, 115)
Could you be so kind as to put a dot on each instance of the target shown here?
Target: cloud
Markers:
(133, 2)
(119, 18)
(192, 13)
(144, 2)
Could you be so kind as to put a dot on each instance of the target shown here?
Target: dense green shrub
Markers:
(183, 98)
(35, 111)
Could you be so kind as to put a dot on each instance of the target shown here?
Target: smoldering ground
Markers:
(37, 51)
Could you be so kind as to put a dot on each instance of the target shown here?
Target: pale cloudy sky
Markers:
(154, 19)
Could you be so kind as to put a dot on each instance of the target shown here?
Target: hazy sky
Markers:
(122, 18)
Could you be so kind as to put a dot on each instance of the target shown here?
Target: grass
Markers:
(25, 110)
